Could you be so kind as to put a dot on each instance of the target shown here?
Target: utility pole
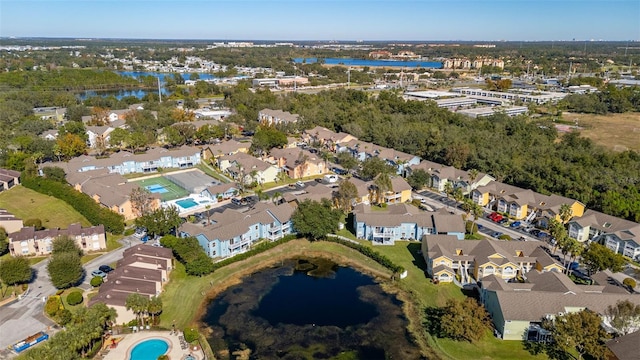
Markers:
(159, 91)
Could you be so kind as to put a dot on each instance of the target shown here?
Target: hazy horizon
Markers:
(312, 20)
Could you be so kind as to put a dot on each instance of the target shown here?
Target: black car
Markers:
(105, 268)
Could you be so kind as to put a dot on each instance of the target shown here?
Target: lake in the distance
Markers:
(365, 62)
(308, 309)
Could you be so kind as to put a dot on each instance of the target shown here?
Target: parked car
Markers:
(99, 273)
(503, 221)
(574, 265)
(542, 234)
(534, 232)
(299, 184)
(105, 268)
(496, 234)
(515, 224)
(140, 232)
(236, 201)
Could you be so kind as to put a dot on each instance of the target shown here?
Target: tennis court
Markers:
(165, 188)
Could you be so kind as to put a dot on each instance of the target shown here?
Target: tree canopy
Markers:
(65, 269)
(580, 331)
(315, 219)
(599, 257)
(15, 270)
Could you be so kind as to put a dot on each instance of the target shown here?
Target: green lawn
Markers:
(86, 258)
(405, 253)
(184, 294)
(66, 305)
(28, 204)
(211, 172)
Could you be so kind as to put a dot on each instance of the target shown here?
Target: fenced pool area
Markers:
(191, 204)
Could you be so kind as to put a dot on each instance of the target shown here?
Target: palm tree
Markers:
(448, 189)
(382, 185)
(138, 304)
(154, 307)
(276, 197)
(575, 249)
(566, 213)
(473, 174)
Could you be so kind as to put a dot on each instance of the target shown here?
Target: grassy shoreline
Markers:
(186, 298)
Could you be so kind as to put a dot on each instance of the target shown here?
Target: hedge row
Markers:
(81, 202)
(189, 252)
(262, 247)
(370, 253)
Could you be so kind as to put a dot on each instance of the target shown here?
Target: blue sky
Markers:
(325, 20)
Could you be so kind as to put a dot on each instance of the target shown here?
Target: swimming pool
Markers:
(187, 203)
(149, 349)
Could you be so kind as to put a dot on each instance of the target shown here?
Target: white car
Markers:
(299, 184)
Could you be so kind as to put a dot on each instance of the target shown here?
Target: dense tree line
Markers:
(610, 100)
(81, 202)
(520, 151)
(67, 79)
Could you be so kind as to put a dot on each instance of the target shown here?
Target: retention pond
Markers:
(308, 309)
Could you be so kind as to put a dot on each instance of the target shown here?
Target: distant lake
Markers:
(364, 62)
(309, 309)
(119, 94)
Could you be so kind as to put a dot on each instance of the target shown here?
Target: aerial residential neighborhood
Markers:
(420, 191)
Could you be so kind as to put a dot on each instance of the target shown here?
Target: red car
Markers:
(495, 217)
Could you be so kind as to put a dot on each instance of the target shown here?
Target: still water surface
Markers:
(308, 309)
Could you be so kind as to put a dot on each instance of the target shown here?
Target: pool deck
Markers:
(131, 340)
(202, 203)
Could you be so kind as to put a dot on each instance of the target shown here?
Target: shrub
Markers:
(96, 281)
(190, 334)
(53, 305)
(36, 223)
(74, 298)
(82, 203)
(163, 357)
(59, 292)
(504, 237)
(64, 316)
(629, 282)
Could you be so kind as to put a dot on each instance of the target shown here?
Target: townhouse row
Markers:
(584, 225)
(144, 270)
(27, 241)
(520, 283)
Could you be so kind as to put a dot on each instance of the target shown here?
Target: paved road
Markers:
(25, 317)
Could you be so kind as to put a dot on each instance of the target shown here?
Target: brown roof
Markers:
(399, 184)
(12, 173)
(130, 285)
(228, 147)
(114, 298)
(448, 223)
(132, 272)
(248, 162)
(626, 347)
(148, 250)
(231, 223)
(393, 215)
(28, 233)
(535, 305)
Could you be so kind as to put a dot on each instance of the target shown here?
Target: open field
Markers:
(185, 297)
(617, 132)
(27, 204)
